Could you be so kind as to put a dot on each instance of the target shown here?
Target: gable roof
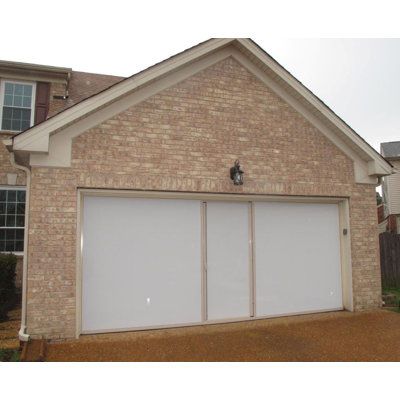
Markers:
(370, 163)
(390, 149)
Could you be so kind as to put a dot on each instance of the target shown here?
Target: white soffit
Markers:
(50, 142)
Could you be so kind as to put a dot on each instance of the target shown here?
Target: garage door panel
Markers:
(228, 290)
(297, 254)
(141, 263)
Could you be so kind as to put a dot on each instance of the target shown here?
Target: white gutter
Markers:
(23, 336)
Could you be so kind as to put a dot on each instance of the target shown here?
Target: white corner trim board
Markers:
(50, 142)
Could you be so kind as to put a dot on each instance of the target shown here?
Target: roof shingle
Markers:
(390, 149)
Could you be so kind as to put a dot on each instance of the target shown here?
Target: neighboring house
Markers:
(135, 222)
(391, 186)
(29, 94)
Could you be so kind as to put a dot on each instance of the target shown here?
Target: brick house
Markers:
(33, 93)
(135, 223)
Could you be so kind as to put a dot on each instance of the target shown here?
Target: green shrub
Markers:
(10, 355)
(8, 292)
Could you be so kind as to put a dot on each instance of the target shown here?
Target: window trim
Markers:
(16, 187)
(33, 101)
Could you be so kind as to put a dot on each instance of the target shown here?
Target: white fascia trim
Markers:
(25, 141)
(376, 165)
(34, 67)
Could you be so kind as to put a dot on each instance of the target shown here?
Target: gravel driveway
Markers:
(336, 336)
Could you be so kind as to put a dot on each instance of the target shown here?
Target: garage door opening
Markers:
(163, 262)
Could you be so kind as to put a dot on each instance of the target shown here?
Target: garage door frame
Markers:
(344, 231)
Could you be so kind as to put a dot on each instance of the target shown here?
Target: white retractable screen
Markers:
(228, 272)
(297, 258)
(141, 263)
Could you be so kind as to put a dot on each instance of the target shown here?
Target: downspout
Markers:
(23, 336)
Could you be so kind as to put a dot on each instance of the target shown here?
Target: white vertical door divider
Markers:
(252, 261)
(204, 261)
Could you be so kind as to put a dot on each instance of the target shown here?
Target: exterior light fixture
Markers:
(237, 174)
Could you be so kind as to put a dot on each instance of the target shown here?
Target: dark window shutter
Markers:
(42, 101)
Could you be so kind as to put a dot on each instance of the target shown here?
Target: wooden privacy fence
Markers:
(389, 244)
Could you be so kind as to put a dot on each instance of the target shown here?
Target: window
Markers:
(16, 105)
(12, 219)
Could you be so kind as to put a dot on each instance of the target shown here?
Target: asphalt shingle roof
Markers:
(390, 149)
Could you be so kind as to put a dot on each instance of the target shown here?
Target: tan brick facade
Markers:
(185, 139)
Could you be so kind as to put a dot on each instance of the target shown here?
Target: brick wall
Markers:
(81, 86)
(56, 105)
(186, 138)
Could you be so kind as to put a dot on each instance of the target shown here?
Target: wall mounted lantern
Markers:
(237, 174)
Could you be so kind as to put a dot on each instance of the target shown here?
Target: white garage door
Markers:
(141, 263)
(297, 258)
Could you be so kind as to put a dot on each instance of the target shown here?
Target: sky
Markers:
(357, 77)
